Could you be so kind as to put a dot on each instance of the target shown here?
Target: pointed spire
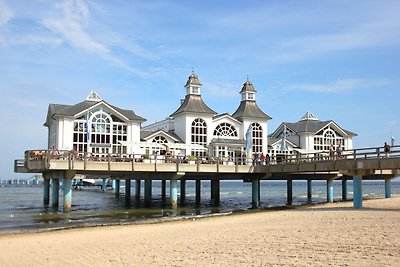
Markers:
(247, 86)
(93, 96)
(193, 80)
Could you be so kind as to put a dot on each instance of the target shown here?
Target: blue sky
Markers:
(337, 59)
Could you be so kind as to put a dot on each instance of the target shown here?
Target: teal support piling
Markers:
(46, 191)
(117, 187)
(55, 188)
(173, 191)
(357, 191)
(259, 191)
(329, 190)
(137, 189)
(289, 192)
(147, 191)
(103, 184)
(127, 191)
(67, 189)
(113, 184)
(344, 189)
(388, 188)
(212, 189)
(216, 192)
(163, 189)
(198, 191)
(255, 193)
(183, 191)
(309, 190)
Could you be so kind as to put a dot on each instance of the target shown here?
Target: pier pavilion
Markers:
(308, 135)
(94, 138)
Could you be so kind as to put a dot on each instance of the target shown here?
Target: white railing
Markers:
(361, 153)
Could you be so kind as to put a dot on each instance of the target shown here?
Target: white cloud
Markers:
(71, 26)
(6, 14)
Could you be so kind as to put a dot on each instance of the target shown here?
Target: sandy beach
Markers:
(320, 235)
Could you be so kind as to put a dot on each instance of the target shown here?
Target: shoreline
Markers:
(319, 234)
(169, 219)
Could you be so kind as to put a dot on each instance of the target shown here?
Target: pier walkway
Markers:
(356, 165)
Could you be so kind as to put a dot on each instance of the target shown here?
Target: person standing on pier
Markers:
(339, 151)
(386, 149)
(331, 152)
(262, 158)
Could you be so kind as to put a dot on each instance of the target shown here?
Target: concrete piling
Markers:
(117, 187)
(357, 191)
(329, 190)
(309, 190)
(388, 188)
(55, 188)
(173, 193)
(198, 191)
(127, 191)
(344, 189)
(255, 193)
(137, 189)
(183, 191)
(147, 191)
(46, 191)
(67, 189)
(289, 192)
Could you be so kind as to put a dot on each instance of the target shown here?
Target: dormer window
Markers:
(195, 90)
(249, 96)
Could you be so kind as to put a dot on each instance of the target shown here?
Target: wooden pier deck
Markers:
(356, 164)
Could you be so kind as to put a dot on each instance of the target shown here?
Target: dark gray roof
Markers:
(248, 86)
(53, 108)
(72, 110)
(225, 141)
(220, 115)
(249, 109)
(312, 126)
(144, 134)
(193, 80)
(194, 104)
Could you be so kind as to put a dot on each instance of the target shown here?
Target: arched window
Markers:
(100, 133)
(160, 139)
(199, 134)
(225, 129)
(327, 137)
(257, 137)
(101, 123)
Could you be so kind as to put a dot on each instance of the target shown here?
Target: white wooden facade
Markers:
(99, 128)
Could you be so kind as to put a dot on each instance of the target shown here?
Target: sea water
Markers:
(22, 208)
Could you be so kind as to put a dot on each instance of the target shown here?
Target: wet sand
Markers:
(328, 234)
